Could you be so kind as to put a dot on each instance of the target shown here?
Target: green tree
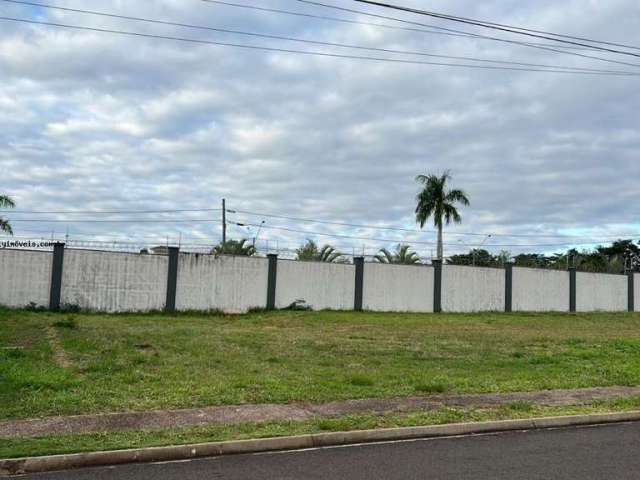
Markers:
(437, 202)
(620, 247)
(310, 252)
(401, 255)
(531, 260)
(477, 256)
(235, 247)
(619, 257)
(480, 258)
(597, 262)
(5, 226)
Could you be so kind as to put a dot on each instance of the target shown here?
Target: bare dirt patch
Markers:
(59, 355)
(163, 419)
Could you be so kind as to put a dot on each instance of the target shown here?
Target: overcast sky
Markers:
(96, 121)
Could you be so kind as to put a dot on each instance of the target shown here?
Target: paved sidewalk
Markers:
(162, 419)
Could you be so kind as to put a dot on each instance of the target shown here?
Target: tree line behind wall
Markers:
(620, 257)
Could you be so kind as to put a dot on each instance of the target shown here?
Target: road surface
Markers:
(600, 452)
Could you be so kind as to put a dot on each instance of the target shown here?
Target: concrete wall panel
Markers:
(397, 288)
(230, 284)
(600, 292)
(472, 289)
(537, 290)
(114, 282)
(636, 292)
(321, 285)
(25, 277)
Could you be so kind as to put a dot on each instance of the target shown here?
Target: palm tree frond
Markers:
(235, 247)
(6, 202)
(457, 195)
(402, 255)
(5, 226)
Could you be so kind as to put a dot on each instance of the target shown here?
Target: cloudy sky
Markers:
(93, 121)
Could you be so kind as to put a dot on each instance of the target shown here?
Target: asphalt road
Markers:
(600, 452)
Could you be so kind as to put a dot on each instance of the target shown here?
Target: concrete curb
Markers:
(185, 452)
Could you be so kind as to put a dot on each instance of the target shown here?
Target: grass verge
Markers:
(136, 362)
(14, 448)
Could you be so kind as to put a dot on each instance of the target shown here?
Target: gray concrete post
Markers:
(272, 278)
(572, 289)
(437, 285)
(508, 287)
(631, 292)
(359, 278)
(172, 280)
(57, 264)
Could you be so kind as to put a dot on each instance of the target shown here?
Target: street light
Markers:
(473, 261)
(255, 239)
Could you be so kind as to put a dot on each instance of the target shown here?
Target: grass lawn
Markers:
(151, 361)
(14, 448)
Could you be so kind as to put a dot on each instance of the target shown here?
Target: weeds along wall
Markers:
(126, 282)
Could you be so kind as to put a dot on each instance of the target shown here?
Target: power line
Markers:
(302, 40)
(542, 32)
(478, 23)
(437, 30)
(271, 215)
(107, 212)
(412, 242)
(110, 242)
(311, 53)
(469, 34)
(412, 230)
(355, 237)
(332, 19)
(573, 37)
(137, 220)
(157, 236)
(548, 33)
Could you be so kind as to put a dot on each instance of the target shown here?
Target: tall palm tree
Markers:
(311, 253)
(401, 255)
(434, 200)
(235, 247)
(6, 202)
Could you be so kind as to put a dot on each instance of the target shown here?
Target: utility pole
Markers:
(224, 223)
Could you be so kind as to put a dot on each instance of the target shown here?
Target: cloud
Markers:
(99, 121)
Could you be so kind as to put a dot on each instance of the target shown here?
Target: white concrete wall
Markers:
(25, 277)
(537, 290)
(114, 282)
(397, 288)
(636, 292)
(230, 284)
(472, 289)
(321, 285)
(601, 292)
